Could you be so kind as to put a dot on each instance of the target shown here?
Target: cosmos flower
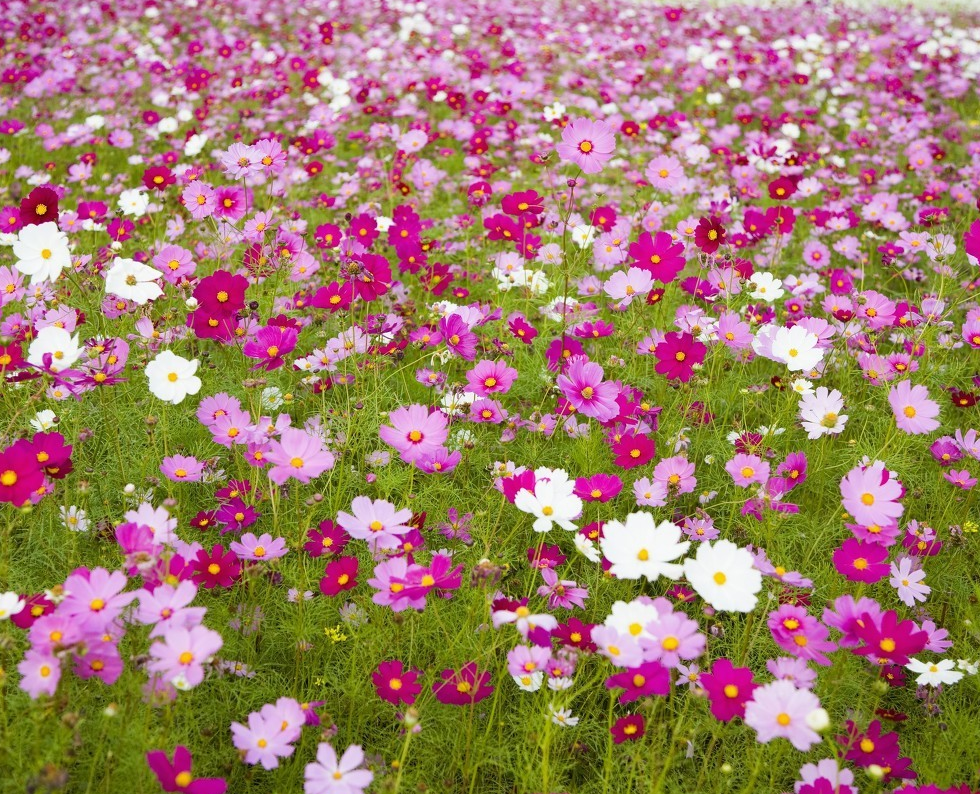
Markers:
(587, 144)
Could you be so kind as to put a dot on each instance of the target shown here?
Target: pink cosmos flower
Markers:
(490, 377)
(416, 432)
(168, 607)
(861, 562)
(264, 547)
(40, 673)
(779, 710)
(95, 598)
(587, 144)
(675, 637)
(182, 654)
(623, 287)
(263, 741)
(181, 468)
(871, 495)
(914, 412)
(747, 470)
(583, 387)
(299, 455)
(909, 581)
(664, 172)
(199, 200)
(377, 522)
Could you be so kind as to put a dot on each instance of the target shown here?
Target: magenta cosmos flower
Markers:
(490, 377)
(861, 562)
(587, 144)
(677, 354)
(460, 688)
(729, 688)
(395, 684)
(177, 776)
(299, 455)
(416, 433)
(583, 387)
(914, 412)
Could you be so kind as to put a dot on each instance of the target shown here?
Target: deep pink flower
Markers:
(396, 684)
(270, 345)
(677, 354)
(490, 377)
(339, 575)
(463, 687)
(598, 487)
(650, 678)
(633, 450)
(628, 729)
(861, 562)
(729, 688)
(177, 777)
(659, 255)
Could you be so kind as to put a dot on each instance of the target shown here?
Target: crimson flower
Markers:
(628, 729)
(217, 568)
(709, 235)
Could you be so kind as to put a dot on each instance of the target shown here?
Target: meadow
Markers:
(537, 398)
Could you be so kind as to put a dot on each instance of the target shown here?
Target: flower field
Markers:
(527, 398)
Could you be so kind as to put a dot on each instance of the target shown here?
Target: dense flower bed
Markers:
(464, 397)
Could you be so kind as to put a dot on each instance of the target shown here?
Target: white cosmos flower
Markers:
(62, 346)
(132, 280)
(529, 682)
(796, 348)
(724, 575)
(934, 673)
(42, 252)
(639, 547)
(632, 618)
(820, 413)
(44, 420)
(562, 716)
(172, 378)
(587, 548)
(12, 603)
(133, 202)
(766, 287)
(552, 502)
(802, 386)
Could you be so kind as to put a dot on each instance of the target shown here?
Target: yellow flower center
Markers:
(719, 578)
